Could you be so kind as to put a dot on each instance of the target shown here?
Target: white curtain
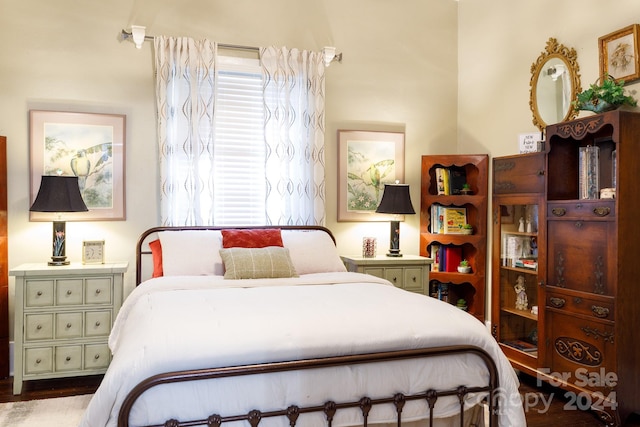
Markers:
(294, 133)
(185, 90)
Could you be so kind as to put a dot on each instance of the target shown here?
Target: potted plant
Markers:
(466, 229)
(604, 97)
(462, 304)
(464, 267)
(466, 189)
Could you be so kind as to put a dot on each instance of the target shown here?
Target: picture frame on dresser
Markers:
(367, 160)
(88, 145)
(620, 54)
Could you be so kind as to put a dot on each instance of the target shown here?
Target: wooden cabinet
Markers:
(518, 258)
(4, 270)
(591, 289)
(63, 317)
(472, 247)
(409, 272)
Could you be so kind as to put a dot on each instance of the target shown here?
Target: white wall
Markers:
(398, 73)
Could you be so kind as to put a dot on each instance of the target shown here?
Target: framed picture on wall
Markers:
(619, 54)
(367, 160)
(87, 145)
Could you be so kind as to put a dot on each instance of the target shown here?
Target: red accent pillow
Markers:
(156, 253)
(253, 238)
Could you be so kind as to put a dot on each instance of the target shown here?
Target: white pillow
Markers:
(191, 253)
(312, 251)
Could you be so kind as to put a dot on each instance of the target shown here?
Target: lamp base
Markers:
(58, 260)
(394, 254)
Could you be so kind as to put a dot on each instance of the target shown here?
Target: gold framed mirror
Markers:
(555, 84)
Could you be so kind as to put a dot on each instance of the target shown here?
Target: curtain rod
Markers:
(127, 35)
(139, 36)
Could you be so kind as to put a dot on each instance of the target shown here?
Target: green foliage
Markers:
(607, 96)
(464, 263)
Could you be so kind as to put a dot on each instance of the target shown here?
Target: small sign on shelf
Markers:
(531, 142)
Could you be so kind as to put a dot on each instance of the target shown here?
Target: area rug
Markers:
(56, 412)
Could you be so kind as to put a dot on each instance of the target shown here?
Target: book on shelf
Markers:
(588, 172)
(454, 220)
(437, 219)
(435, 256)
(452, 258)
(450, 180)
(521, 345)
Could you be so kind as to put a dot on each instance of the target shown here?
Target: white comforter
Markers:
(175, 323)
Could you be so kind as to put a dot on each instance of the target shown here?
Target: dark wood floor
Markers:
(556, 415)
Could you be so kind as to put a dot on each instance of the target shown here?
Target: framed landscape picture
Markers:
(367, 161)
(87, 145)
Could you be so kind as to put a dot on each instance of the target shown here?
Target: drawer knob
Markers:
(97, 291)
(68, 358)
(68, 325)
(559, 211)
(557, 302)
(415, 279)
(38, 361)
(69, 292)
(601, 312)
(395, 279)
(39, 293)
(98, 323)
(97, 356)
(39, 327)
(601, 211)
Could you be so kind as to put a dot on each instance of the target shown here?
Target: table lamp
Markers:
(59, 194)
(396, 200)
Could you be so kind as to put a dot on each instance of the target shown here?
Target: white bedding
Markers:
(174, 323)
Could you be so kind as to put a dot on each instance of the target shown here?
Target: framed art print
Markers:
(367, 161)
(87, 145)
(619, 54)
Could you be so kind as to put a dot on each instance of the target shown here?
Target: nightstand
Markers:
(63, 317)
(408, 272)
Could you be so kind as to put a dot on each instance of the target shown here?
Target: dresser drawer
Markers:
(597, 308)
(97, 323)
(69, 292)
(38, 360)
(519, 174)
(395, 276)
(38, 327)
(584, 210)
(69, 325)
(68, 358)
(96, 356)
(578, 347)
(38, 293)
(413, 280)
(98, 290)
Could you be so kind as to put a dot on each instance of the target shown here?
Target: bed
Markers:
(263, 325)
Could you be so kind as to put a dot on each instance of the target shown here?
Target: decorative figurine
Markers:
(521, 227)
(529, 225)
(522, 301)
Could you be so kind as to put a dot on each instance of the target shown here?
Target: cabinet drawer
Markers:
(395, 276)
(38, 293)
(97, 323)
(38, 327)
(578, 347)
(582, 305)
(68, 358)
(584, 209)
(69, 292)
(98, 290)
(519, 174)
(373, 271)
(68, 325)
(413, 280)
(38, 360)
(96, 356)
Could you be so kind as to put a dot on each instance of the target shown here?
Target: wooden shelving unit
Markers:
(467, 286)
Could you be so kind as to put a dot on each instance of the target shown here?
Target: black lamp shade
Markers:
(59, 194)
(396, 200)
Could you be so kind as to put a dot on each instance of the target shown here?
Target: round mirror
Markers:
(555, 84)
